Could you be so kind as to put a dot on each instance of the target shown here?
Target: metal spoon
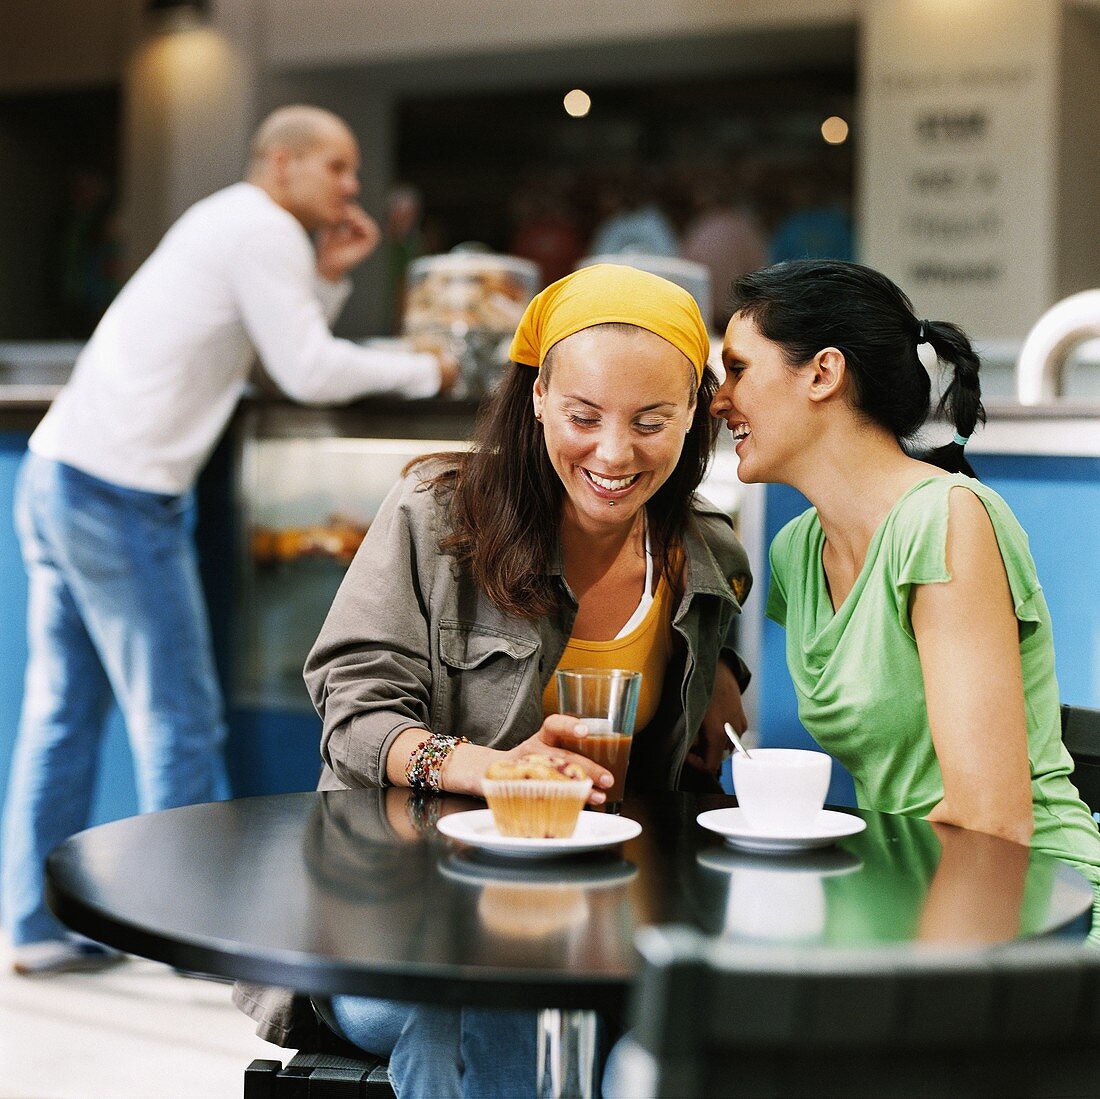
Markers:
(736, 740)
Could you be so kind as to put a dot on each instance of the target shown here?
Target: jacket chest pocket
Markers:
(482, 673)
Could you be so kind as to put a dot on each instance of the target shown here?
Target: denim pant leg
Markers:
(130, 562)
(421, 1042)
(65, 699)
(445, 1053)
(499, 1051)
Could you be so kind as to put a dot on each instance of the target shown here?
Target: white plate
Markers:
(594, 831)
(827, 829)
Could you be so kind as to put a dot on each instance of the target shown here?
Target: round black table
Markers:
(357, 892)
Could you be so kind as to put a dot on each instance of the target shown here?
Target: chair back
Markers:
(1081, 736)
(714, 1018)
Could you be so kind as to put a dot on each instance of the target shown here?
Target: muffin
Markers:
(536, 796)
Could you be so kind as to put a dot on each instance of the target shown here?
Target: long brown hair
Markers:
(506, 503)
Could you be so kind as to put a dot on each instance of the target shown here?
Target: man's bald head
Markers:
(307, 160)
(296, 128)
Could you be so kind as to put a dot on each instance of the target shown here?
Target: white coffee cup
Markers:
(781, 791)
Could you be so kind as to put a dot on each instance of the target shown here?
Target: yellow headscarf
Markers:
(610, 293)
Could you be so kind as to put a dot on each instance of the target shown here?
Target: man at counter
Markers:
(104, 506)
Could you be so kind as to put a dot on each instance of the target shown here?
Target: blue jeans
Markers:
(445, 1053)
(114, 607)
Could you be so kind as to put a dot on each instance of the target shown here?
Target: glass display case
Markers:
(471, 304)
(307, 496)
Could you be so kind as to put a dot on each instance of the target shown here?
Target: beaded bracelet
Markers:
(425, 764)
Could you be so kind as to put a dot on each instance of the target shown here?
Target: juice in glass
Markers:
(608, 749)
(606, 700)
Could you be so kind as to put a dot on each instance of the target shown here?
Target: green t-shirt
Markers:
(857, 672)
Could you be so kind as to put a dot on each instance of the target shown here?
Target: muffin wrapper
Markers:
(534, 809)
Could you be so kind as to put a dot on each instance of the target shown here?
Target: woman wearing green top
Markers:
(918, 637)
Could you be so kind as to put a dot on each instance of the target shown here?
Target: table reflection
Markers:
(777, 899)
(567, 908)
(385, 869)
(372, 871)
(895, 882)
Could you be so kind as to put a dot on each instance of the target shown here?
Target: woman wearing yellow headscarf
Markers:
(484, 571)
(569, 535)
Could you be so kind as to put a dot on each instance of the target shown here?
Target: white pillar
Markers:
(190, 92)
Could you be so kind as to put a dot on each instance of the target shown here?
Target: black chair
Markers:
(332, 1068)
(714, 1018)
(1081, 736)
(318, 1076)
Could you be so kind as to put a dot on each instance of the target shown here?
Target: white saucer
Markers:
(594, 831)
(820, 863)
(826, 829)
(476, 868)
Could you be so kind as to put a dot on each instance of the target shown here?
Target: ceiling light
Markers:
(577, 103)
(176, 15)
(834, 130)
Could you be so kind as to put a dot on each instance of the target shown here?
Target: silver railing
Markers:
(1041, 368)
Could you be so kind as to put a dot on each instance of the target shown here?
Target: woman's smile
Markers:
(740, 432)
(759, 394)
(612, 483)
(611, 487)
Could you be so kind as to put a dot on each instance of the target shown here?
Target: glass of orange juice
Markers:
(606, 699)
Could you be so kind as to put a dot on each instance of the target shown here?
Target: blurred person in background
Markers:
(402, 242)
(88, 261)
(725, 235)
(545, 230)
(817, 225)
(633, 219)
(104, 505)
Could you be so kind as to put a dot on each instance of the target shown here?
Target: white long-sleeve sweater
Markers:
(156, 384)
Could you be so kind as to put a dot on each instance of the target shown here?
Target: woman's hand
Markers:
(463, 771)
(712, 745)
(547, 741)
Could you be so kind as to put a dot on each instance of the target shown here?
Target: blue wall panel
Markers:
(1057, 500)
(778, 706)
(273, 752)
(13, 604)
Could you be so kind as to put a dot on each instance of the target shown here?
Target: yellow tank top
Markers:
(645, 649)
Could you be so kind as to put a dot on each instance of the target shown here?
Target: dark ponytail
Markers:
(961, 402)
(806, 305)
